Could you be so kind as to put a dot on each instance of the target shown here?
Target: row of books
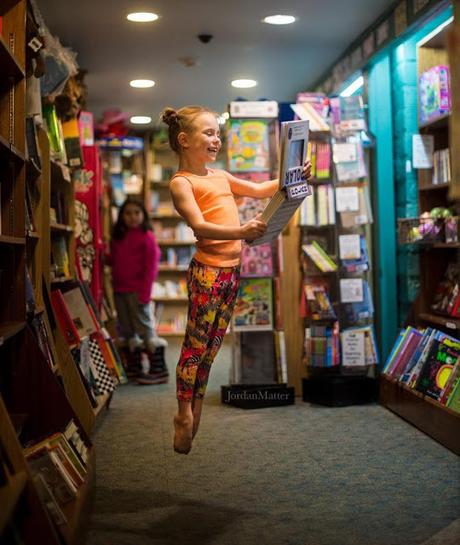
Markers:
(176, 256)
(429, 362)
(320, 156)
(175, 323)
(319, 208)
(180, 232)
(59, 468)
(327, 346)
(352, 253)
(170, 289)
(441, 167)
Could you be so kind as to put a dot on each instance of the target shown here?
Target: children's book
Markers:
(248, 145)
(256, 261)
(254, 305)
(257, 358)
(319, 256)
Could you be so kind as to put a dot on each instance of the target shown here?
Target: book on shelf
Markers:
(362, 215)
(434, 93)
(71, 133)
(322, 345)
(248, 147)
(353, 253)
(256, 261)
(348, 157)
(347, 114)
(441, 167)
(255, 354)
(356, 299)
(79, 312)
(318, 304)
(427, 361)
(170, 289)
(47, 497)
(281, 357)
(60, 256)
(254, 305)
(446, 300)
(319, 208)
(177, 256)
(40, 329)
(319, 256)
(33, 152)
(359, 347)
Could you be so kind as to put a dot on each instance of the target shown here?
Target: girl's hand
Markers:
(253, 229)
(306, 172)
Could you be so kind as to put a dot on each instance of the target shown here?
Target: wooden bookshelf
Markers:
(428, 415)
(433, 418)
(10, 495)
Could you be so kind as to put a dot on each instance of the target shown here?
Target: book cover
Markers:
(71, 135)
(64, 319)
(293, 151)
(79, 312)
(254, 305)
(248, 145)
(256, 261)
(257, 353)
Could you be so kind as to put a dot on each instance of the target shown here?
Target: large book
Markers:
(254, 305)
(292, 189)
(248, 145)
(256, 261)
(256, 358)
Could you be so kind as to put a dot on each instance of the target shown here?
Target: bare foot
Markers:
(183, 434)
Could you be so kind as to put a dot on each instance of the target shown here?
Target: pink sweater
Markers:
(134, 261)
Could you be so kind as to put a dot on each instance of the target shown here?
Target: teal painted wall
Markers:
(381, 126)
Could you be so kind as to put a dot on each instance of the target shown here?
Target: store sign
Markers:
(261, 108)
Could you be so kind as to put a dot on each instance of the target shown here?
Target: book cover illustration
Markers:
(256, 261)
(248, 145)
(254, 305)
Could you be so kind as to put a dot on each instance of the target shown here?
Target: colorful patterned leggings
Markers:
(212, 294)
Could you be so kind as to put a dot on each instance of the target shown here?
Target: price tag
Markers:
(451, 325)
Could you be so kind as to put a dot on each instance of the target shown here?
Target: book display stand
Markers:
(258, 376)
(340, 351)
(431, 405)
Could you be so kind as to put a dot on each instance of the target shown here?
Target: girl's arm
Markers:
(260, 190)
(185, 203)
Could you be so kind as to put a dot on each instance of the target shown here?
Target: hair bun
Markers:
(169, 116)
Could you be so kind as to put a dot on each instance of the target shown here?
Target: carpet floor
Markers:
(296, 475)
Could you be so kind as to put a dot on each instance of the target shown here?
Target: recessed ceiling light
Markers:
(142, 83)
(142, 17)
(279, 19)
(140, 119)
(244, 83)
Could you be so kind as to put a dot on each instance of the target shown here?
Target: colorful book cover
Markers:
(254, 305)
(256, 261)
(248, 145)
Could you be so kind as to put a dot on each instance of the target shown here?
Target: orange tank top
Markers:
(216, 201)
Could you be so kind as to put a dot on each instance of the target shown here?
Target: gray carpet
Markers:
(298, 475)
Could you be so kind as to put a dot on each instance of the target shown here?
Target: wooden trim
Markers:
(437, 421)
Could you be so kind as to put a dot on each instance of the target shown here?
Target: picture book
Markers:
(318, 303)
(256, 261)
(256, 357)
(349, 160)
(434, 93)
(319, 256)
(353, 253)
(60, 256)
(361, 216)
(356, 299)
(254, 307)
(248, 145)
(79, 312)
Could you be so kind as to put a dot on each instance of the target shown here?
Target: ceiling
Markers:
(283, 59)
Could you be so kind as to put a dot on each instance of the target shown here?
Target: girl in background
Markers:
(134, 257)
(204, 197)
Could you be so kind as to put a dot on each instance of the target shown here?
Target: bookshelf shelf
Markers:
(172, 242)
(9, 152)
(441, 122)
(11, 70)
(170, 299)
(434, 187)
(447, 322)
(170, 268)
(156, 216)
(61, 227)
(59, 172)
(171, 333)
(431, 417)
(10, 329)
(32, 235)
(9, 496)
(5, 239)
(446, 245)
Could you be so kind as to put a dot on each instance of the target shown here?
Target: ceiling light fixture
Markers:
(142, 17)
(140, 119)
(279, 19)
(244, 83)
(142, 83)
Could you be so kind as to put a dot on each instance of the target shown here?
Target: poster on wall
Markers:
(248, 145)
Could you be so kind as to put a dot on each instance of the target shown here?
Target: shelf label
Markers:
(451, 325)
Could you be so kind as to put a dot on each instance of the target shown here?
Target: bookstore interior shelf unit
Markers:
(420, 379)
(175, 238)
(335, 247)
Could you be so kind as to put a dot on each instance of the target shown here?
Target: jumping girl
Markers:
(204, 197)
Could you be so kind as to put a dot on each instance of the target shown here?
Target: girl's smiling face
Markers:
(204, 142)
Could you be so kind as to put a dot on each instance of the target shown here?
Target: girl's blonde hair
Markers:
(181, 121)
